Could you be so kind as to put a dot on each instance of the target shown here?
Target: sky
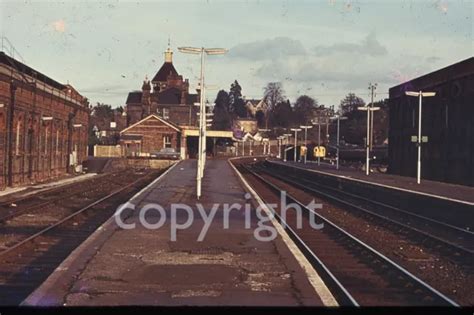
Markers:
(324, 49)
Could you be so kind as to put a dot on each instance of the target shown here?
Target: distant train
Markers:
(349, 154)
(346, 154)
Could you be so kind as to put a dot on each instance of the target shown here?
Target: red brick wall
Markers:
(152, 131)
(39, 148)
(2, 147)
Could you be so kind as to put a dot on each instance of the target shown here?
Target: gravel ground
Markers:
(442, 273)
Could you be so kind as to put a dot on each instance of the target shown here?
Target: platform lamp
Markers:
(202, 109)
(338, 118)
(287, 137)
(280, 140)
(296, 141)
(306, 140)
(318, 122)
(367, 140)
(266, 145)
(418, 138)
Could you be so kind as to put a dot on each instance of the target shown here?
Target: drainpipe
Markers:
(10, 116)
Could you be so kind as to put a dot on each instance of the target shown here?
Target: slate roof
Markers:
(166, 69)
(21, 67)
(134, 97)
(170, 96)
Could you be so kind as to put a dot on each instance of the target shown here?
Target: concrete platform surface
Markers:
(457, 193)
(142, 266)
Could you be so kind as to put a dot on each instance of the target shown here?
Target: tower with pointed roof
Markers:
(167, 95)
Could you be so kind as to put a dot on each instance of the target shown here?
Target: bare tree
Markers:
(272, 95)
(350, 103)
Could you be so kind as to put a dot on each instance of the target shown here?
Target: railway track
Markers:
(447, 239)
(356, 273)
(26, 263)
(31, 196)
(14, 207)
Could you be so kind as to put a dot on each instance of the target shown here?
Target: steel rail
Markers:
(60, 222)
(337, 288)
(440, 296)
(36, 207)
(382, 217)
(43, 191)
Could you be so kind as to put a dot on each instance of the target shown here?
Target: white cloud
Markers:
(369, 46)
(277, 47)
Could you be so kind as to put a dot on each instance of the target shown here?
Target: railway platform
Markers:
(147, 266)
(444, 191)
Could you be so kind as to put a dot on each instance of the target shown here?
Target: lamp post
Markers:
(372, 88)
(287, 136)
(317, 122)
(266, 144)
(306, 141)
(280, 140)
(202, 109)
(296, 140)
(338, 118)
(420, 96)
(367, 140)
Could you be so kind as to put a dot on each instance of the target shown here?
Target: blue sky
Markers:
(324, 49)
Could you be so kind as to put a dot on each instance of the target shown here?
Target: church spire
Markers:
(168, 53)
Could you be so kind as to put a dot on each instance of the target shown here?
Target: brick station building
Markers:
(166, 96)
(447, 121)
(43, 125)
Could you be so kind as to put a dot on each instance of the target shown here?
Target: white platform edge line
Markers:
(40, 293)
(314, 278)
(376, 184)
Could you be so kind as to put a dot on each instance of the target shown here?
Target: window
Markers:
(17, 142)
(46, 140)
(166, 113)
(57, 141)
(167, 141)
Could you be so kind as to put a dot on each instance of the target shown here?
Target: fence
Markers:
(107, 151)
